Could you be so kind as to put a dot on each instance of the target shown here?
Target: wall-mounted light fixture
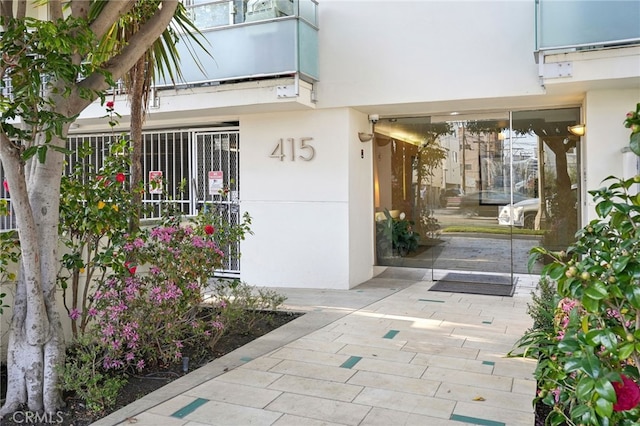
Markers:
(577, 130)
(365, 137)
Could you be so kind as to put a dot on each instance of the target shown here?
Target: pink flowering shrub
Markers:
(148, 318)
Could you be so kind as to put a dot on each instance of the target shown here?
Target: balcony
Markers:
(249, 40)
(585, 25)
(592, 44)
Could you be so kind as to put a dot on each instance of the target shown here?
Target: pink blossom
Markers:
(197, 242)
(108, 330)
(217, 325)
(74, 314)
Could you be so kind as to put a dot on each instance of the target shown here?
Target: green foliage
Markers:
(589, 362)
(396, 236)
(9, 257)
(93, 224)
(632, 121)
(82, 374)
(36, 55)
(539, 340)
(429, 223)
(243, 305)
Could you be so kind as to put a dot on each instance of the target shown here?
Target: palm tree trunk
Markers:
(138, 113)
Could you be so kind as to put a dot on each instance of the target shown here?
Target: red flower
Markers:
(132, 269)
(6, 185)
(209, 229)
(110, 104)
(120, 177)
(627, 393)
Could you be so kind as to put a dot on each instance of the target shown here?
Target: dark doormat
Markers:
(475, 284)
(477, 278)
(473, 288)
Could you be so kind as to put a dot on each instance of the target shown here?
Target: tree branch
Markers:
(121, 63)
(55, 9)
(110, 13)
(6, 9)
(80, 8)
(22, 9)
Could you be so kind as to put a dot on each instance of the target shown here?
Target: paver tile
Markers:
(395, 383)
(314, 387)
(407, 402)
(320, 408)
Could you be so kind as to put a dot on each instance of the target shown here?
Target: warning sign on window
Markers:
(155, 182)
(215, 182)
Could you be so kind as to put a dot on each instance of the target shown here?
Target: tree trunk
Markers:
(36, 343)
(137, 98)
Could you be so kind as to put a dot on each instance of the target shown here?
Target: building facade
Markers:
(329, 121)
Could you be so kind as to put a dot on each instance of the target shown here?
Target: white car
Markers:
(522, 213)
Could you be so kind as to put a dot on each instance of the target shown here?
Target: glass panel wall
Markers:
(474, 193)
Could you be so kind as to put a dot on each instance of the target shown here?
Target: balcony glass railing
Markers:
(563, 24)
(251, 39)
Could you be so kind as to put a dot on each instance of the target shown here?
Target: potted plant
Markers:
(396, 236)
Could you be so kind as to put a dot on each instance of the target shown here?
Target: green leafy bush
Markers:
(589, 361)
(83, 374)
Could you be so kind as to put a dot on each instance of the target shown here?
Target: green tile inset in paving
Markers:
(353, 360)
(475, 420)
(488, 363)
(391, 334)
(190, 408)
(246, 359)
(487, 322)
(431, 300)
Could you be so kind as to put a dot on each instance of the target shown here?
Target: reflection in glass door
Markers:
(466, 195)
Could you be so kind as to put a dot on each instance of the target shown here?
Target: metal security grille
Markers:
(167, 153)
(100, 144)
(184, 159)
(216, 182)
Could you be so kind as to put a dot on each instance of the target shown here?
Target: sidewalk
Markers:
(388, 352)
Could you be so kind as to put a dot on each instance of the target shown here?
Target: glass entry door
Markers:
(468, 197)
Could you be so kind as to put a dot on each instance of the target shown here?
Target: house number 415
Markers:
(292, 146)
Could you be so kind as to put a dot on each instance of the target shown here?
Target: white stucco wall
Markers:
(308, 230)
(605, 138)
(402, 52)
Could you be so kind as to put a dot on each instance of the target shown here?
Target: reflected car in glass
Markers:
(487, 203)
(521, 214)
(450, 197)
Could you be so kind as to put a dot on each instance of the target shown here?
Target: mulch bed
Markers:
(75, 412)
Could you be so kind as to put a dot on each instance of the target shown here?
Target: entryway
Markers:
(469, 196)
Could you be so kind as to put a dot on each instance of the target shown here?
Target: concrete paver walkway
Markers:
(388, 352)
